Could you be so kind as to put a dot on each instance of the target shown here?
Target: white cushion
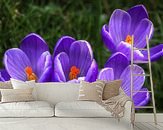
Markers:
(18, 84)
(26, 109)
(57, 92)
(80, 109)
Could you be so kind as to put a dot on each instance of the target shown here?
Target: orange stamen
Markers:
(74, 72)
(129, 39)
(30, 74)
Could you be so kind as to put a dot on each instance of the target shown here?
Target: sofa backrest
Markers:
(56, 92)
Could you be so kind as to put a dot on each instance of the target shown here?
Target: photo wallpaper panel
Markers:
(59, 41)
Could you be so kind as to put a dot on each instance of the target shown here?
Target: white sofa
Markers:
(57, 108)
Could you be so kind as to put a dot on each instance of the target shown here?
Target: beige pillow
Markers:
(5, 85)
(91, 91)
(111, 89)
(16, 95)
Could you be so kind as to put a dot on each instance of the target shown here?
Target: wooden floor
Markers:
(148, 126)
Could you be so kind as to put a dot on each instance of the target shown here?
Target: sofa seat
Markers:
(26, 109)
(80, 109)
(56, 123)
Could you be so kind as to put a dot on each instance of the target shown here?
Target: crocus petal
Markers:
(125, 48)
(44, 67)
(138, 81)
(108, 41)
(137, 13)
(106, 74)
(42, 62)
(61, 67)
(16, 61)
(141, 98)
(46, 76)
(118, 61)
(81, 56)
(119, 25)
(57, 78)
(145, 28)
(155, 53)
(92, 72)
(63, 45)
(4, 76)
(33, 46)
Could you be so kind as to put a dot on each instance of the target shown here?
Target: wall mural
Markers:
(72, 60)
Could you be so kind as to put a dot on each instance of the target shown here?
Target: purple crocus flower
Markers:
(31, 62)
(117, 67)
(4, 76)
(73, 61)
(122, 25)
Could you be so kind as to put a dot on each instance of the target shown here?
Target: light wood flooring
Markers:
(148, 126)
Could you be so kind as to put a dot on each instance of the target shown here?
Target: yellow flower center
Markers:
(74, 72)
(129, 39)
(30, 74)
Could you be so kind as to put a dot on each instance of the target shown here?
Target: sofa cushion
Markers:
(26, 109)
(16, 95)
(80, 109)
(55, 92)
(18, 84)
(111, 89)
(5, 85)
(91, 91)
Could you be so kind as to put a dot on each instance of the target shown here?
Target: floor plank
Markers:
(161, 124)
(157, 126)
(141, 126)
(136, 128)
(150, 126)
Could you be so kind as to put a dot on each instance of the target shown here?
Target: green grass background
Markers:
(81, 19)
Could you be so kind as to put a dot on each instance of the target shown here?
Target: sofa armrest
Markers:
(128, 111)
(126, 119)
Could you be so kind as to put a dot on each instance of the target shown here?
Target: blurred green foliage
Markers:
(80, 19)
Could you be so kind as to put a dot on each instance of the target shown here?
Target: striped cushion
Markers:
(91, 91)
(5, 85)
(16, 95)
